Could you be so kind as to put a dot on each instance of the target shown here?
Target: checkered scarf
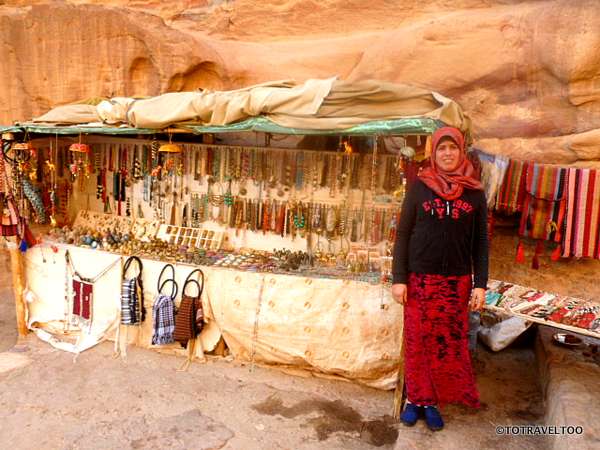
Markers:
(164, 320)
(130, 307)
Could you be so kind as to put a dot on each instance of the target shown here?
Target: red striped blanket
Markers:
(582, 231)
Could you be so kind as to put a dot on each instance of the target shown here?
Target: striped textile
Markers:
(582, 232)
(186, 321)
(545, 203)
(3, 177)
(130, 308)
(163, 320)
(512, 191)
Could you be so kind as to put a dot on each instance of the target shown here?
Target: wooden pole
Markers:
(399, 391)
(18, 280)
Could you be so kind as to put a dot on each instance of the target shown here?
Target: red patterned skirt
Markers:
(437, 363)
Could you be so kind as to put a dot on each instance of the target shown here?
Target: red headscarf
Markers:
(450, 185)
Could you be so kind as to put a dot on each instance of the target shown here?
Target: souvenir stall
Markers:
(557, 210)
(294, 247)
(268, 241)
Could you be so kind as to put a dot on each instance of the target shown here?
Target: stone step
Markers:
(570, 381)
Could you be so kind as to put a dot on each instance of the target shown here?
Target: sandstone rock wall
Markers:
(527, 72)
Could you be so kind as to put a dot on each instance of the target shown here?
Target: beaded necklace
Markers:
(332, 178)
(374, 168)
(238, 164)
(299, 170)
(325, 171)
(245, 169)
(266, 220)
(281, 219)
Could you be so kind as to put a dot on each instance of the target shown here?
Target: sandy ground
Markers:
(8, 330)
(49, 400)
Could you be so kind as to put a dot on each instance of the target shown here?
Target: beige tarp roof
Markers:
(328, 104)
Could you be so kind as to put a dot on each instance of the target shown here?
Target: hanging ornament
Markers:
(137, 169)
(170, 147)
(21, 151)
(154, 146)
(156, 171)
(80, 165)
(33, 195)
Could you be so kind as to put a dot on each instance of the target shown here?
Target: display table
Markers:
(333, 327)
(559, 311)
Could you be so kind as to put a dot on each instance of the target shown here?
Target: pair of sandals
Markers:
(432, 416)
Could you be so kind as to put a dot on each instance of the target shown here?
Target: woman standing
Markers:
(440, 271)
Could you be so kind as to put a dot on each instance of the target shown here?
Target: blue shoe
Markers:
(433, 418)
(411, 414)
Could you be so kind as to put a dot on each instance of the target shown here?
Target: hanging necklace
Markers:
(373, 181)
(299, 170)
(299, 220)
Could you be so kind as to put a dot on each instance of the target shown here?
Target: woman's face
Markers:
(447, 155)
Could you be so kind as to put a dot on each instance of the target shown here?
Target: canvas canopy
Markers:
(323, 106)
(259, 124)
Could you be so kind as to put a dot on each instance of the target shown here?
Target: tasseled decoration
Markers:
(539, 250)
(520, 253)
(556, 253)
(30, 240)
(27, 240)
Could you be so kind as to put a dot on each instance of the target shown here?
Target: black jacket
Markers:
(442, 237)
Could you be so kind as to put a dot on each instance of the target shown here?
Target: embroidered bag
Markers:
(84, 296)
(545, 203)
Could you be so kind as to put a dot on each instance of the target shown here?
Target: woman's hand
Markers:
(399, 292)
(477, 299)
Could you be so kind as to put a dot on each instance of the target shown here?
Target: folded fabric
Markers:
(545, 203)
(512, 191)
(493, 171)
(582, 237)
